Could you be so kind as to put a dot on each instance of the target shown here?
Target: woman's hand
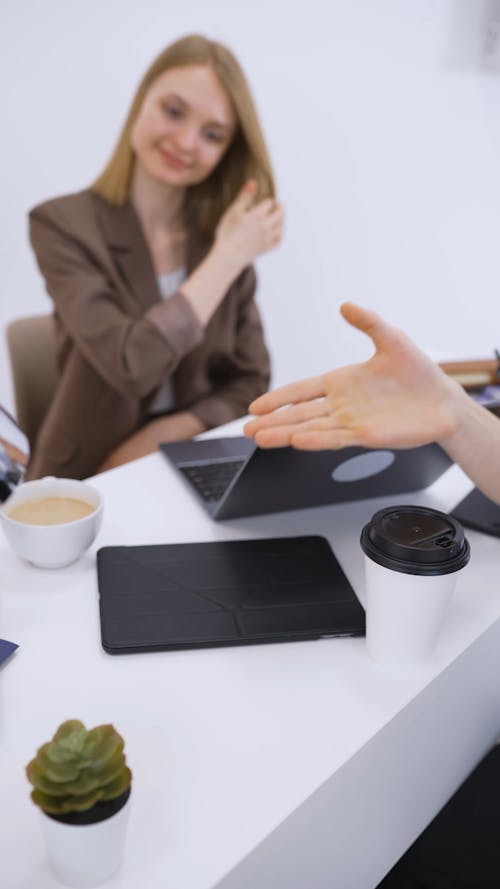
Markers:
(247, 230)
(243, 233)
(399, 398)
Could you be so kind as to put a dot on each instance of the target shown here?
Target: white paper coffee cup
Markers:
(412, 558)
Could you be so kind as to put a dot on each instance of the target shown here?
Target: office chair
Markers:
(32, 351)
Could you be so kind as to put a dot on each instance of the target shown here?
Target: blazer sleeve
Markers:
(132, 354)
(246, 373)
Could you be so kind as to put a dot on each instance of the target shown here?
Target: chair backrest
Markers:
(32, 350)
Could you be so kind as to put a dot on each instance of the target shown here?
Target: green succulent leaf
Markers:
(63, 805)
(38, 778)
(69, 739)
(103, 747)
(109, 769)
(78, 767)
(56, 770)
(118, 785)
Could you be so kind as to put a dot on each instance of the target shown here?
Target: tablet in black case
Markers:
(237, 592)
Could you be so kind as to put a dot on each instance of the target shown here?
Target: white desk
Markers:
(302, 765)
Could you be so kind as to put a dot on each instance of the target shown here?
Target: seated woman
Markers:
(150, 270)
(398, 399)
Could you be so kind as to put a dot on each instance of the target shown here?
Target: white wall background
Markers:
(383, 120)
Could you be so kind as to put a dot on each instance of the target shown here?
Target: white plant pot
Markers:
(85, 855)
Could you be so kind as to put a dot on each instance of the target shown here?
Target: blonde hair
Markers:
(246, 157)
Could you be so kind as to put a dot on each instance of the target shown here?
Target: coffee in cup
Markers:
(50, 511)
(412, 557)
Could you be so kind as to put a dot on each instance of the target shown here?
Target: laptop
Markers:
(232, 477)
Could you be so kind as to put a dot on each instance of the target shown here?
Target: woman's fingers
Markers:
(275, 233)
(268, 208)
(314, 435)
(270, 216)
(265, 208)
(292, 415)
(278, 437)
(245, 197)
(275, 226)
(276, 219)
(322, 439)
(291, 393)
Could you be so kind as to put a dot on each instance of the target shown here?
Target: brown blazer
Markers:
(118, 340)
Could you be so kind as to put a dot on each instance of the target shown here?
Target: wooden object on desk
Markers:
(473, 374)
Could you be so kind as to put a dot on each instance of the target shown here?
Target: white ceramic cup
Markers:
(52, 546)
(412, 558)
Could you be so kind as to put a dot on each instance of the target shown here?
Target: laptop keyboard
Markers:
(212, 480)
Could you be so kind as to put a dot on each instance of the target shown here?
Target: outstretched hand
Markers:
(398, 398)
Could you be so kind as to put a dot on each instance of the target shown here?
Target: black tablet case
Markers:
(238, 592)
(479, 512)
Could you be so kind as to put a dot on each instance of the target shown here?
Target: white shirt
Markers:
(164, 398)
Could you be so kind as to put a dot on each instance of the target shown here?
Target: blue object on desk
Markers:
(6, 649)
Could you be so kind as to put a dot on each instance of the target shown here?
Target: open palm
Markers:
(398, 398)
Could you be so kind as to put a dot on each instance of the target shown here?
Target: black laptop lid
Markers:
(281, 479)
(286, 478)
(235, 592)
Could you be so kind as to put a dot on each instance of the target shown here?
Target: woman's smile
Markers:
(172, 159)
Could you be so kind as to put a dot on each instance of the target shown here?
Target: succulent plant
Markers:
(78, 768)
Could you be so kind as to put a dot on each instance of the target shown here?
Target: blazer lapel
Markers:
(123, 234)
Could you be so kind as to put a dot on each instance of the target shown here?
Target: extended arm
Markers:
(399, 398)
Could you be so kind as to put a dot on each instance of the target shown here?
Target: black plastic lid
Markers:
(415, 540)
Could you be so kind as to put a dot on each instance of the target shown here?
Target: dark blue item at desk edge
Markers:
(6, 649)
